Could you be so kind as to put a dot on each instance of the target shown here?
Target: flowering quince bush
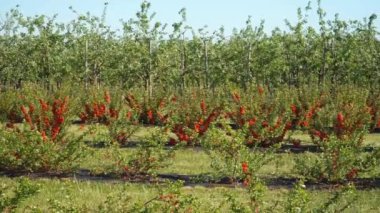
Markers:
(120, 130)
(266, 116)
(256, 190)
(41, 143)
(120, 123)
(347, 117)
(228, 152)
(151, 111)
(191, 120)
(149, 156)
(338, 129)
(341, 159)
(304, 105)
(100, 111)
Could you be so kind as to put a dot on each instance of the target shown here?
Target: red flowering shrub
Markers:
(305, 105)
(154, 111)
(339, 129)
(190, 122)
(120, 122)
(230, 156)
(344, 120)
(342, 159)
(99, 111)
(266, 117)
(42, 143)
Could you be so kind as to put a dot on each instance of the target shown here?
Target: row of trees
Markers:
(153, 55)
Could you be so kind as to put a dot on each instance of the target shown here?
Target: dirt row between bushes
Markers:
(204, 180)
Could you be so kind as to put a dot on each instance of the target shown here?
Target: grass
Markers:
(372, 139)
(196, 162)
(92, 194)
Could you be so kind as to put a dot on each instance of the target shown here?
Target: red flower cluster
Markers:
(252, 121)
(294, 109)
(150, 117)
(309, 115)
(304, 123)
(202, 126)
(44, 105)
(27, 116)
(340, 120)
(48, 123)
(129, 115)
(203, 107)
(245, 167)
(101, 112)
(113, 113)
(321, 135)
(265, 124)
(59, 107)
(179, 131)
(352, 174)
(242, 110)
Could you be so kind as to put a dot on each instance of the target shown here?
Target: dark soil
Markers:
(205, 180)
(283, 149)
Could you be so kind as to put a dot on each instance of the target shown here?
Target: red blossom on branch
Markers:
(244, 167)
(203, 107)
(252, 121)
(294, 109)
(340, 120)
(150, 116)
(27, 117)
(242, 110)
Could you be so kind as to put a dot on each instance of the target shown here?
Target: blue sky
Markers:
(213, 13)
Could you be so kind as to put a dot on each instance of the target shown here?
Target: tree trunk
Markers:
(86, 65)
(206, 63)
(183, 65)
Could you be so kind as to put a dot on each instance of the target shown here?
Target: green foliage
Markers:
(25, 150)
(149, 156)
(166, 198)
(340, 200)
(340, 160)
(297, 199)
(228, 150)
(87, 51)
(42, 142)
(11, 197)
